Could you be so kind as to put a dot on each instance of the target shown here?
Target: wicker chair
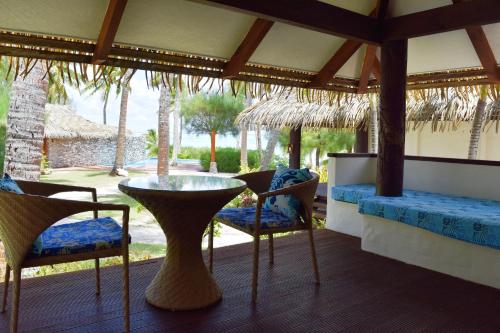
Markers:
(259, 183)
(26, 216)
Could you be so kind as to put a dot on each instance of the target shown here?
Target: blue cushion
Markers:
(8, 184)
(245, 218)
(472, 220)
(353, 193)
(78, 237)
(286, 205)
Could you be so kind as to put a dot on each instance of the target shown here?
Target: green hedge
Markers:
(228, 159)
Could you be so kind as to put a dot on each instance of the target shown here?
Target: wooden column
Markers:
(361, 143)
(390, 160)
(294, 148)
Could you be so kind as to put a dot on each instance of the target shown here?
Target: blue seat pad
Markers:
(468, 219)
(353, 193)
(245, 218)
(78, 237)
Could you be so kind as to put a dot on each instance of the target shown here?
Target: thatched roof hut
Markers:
(62, 122)
(445, 111)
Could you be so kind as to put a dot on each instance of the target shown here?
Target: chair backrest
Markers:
(306, 195)
(258, 182)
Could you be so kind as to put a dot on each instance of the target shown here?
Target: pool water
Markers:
(153, 161)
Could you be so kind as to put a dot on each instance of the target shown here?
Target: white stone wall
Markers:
(83, 153)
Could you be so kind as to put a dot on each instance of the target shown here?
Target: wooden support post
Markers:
(361, 143)
(390, 160)
(294, 148)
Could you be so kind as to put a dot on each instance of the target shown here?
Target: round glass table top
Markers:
(182, 183)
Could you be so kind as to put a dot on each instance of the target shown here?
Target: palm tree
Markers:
(152, 143)
(177, 129)
(107, 80)
(477, 123)
(122, 124)
(271, 146)
(163, 131)
(24, 139)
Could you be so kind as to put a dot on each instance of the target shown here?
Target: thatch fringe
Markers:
(445, 109)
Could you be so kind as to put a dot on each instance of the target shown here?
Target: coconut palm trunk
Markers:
(25, 124)
(271, 145)
(258, 138)
(373, 125)
(163, 131)
(244, 149)
(105, 105)
(122, 125)
(176, 149)
(477, 124)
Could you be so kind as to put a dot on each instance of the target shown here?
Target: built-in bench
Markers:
(457, 233)
(471, 220)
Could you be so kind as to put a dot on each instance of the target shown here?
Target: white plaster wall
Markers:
(451, 143)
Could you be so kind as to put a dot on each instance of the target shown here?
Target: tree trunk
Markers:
(294, 148)
(390, 158)
(244, 149)
(163, 131)
(104, 107)
(177, 129)
(271, 145)
(477, 124)
(318, 155)
(258, 138)
(25, 125)
(122, 125)
(373, 126)
(213, 164)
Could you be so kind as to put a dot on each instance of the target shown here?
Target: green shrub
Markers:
(228, 159)
(192, 153)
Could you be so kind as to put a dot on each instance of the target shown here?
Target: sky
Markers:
(142, 113)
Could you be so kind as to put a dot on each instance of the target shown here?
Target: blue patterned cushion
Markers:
(471, 220)
(8, 184)
(78, 237)
(353, 193)
(286, 205)
(245, 218)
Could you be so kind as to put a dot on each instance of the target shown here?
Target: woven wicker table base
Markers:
(183, 281)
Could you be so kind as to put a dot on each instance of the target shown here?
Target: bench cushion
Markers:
(352, 193)
(471, 220)
(245, 218)
(78, 237)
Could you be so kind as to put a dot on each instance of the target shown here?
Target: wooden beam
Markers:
(366, 70)
(335, 63)
(108, 30)
(313, 15)
(247, 47)
(390, 159)
(376, 68)
(361, 143)
(442, 19)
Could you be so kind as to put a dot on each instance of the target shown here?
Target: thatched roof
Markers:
(63, 123)
(444, 111)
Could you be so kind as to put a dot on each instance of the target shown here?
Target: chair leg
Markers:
(15, 301)
(97, 277)
(313, 252)
(256, 244)
(211, 246)
(126, 298)
(6, 287)
(271, 249)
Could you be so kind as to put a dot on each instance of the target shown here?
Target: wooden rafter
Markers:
(370, 53)
(442, 19)
(108, 30)
(313, 15)
(483, 49)
(366, 70)
(377, 68)
(247, 47)
(343, 54)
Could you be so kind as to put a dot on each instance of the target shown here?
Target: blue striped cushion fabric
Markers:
(245, 218)
(78, 237)
(472, 220)
(286, 205)
(8, 184)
